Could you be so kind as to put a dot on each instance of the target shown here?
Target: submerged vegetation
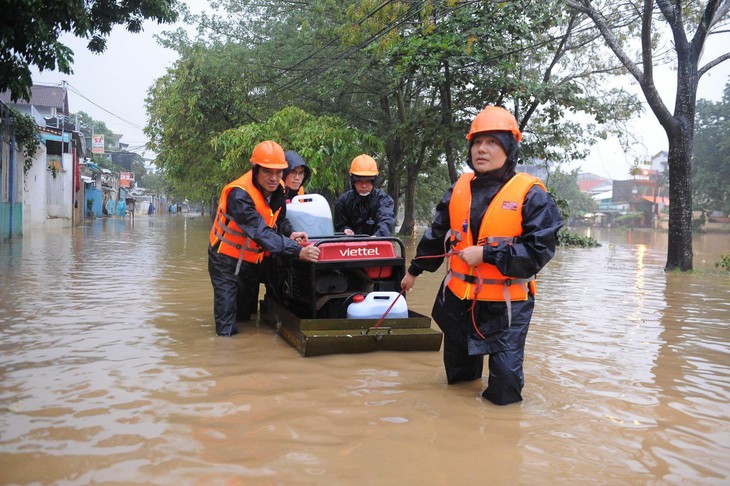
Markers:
(566, 238)
(724, 263)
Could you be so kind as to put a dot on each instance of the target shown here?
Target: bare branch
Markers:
(559, 52)
(720, 13)
(712, 64)
(646, 47)
(613, 43)
(646, 80)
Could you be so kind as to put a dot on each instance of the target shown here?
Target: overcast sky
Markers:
(112, 87)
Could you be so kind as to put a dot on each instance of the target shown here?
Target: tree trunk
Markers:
(447, 122)
(679, 247)
(409, 220)
(679, 126)
(681, 138)
(393, 152)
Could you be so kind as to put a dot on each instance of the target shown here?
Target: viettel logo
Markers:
(360, 252)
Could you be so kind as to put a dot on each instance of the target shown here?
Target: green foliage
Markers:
(201, 96)
(26, 136)
(90, 126)
(566, 238)
(564, 188)
(156, 183)
(710, 167)
(628, 219)
(30, 31)
(431, 187)
(412, 74)
(698, 223)
(724, 262)
(326, 143)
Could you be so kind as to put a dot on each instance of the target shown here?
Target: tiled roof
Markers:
(46, 96)
(659, 199)
(587, 185)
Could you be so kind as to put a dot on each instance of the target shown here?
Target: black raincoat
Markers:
(294, 160)
(365, 215)
(504, 343)
(236, 296)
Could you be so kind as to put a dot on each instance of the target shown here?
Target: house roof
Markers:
(43, 96)
(603, 196)
(659, 200)
(588, 185)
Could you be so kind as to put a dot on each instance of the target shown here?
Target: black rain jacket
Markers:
(276, 240)
(294, 160)
(365, 215)
(525, 257)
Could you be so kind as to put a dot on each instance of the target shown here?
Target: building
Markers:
(11, 178)
(594, 185)
(45, 101)
(53, 193)
(646, 193)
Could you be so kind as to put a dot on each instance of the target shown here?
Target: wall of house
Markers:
(96, 196)
(34, 195)
(11, 187)
(59, 197)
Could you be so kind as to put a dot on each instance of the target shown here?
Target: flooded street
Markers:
(111, 373)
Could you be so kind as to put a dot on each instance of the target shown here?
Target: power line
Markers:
(76, 91)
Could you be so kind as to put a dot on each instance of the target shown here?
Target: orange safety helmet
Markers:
(269, 154)
(364, 165)
(494, 118)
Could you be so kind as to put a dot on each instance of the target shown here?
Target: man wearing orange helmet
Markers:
(364, 210)
(502, 228)
(250, 223)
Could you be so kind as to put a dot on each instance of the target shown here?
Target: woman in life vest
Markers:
(500, 229)
(250, 223)
(296, 175)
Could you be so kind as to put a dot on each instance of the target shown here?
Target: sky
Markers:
(112, 87)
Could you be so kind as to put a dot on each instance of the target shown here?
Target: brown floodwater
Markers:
(111, 374)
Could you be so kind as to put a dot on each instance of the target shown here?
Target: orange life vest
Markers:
(233, 241)
(502, 222)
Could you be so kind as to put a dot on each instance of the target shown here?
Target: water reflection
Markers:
(111, 373)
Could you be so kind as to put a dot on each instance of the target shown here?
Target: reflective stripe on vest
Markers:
(233, 241)
(502, 222)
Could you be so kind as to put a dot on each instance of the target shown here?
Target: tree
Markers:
(436, 64)
(90, 126)
(201, 96)
(326, 143)
(564, 185)
(156, 183)
(30, 30)
(710, 161)
(412, 74)
(26, 136)
(619, 27)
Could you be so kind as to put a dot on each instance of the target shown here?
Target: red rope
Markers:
(377, 324)
(477, 288)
